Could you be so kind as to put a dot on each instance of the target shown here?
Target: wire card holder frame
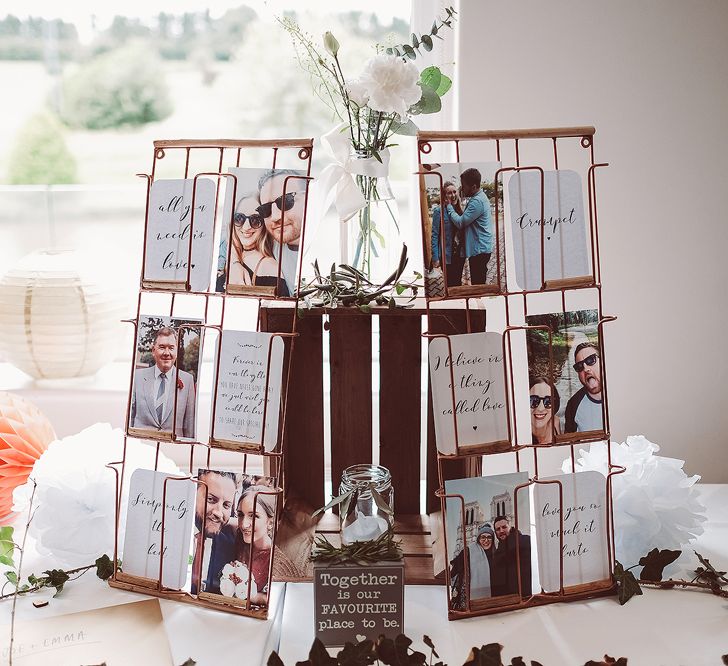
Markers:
(224, 153)
(515, 306)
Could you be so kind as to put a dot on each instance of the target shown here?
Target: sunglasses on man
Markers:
(536, 399)
(589, 360)
(255, 221)
(283, 203)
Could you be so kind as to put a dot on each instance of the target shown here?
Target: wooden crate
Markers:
(350, 409)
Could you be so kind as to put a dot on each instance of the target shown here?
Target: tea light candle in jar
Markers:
(365, 521)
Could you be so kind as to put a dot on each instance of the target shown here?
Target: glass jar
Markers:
(365, 520)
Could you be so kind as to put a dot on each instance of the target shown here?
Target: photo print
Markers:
(566, 251)
(564, 398)
(143, 533)
(169, 226)
(584, 552)
(231, 555)
(460, 242)
(266, 231)
(165, 371)
(479, 390)
(241, 390)
(487, 542)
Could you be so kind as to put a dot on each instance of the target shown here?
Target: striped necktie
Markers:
(159, 402)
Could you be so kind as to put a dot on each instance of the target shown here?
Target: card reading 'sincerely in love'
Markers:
(474, 390)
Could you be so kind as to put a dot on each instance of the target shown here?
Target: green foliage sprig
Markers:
(424, 41)
(383, 548)
(347, 286)
(707, 577)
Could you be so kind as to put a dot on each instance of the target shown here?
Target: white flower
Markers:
(655, 503)
(74, 499)
(234, 581)
(357, 92)
(391, 84)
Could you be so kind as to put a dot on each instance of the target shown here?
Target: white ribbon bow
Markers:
(337, 179)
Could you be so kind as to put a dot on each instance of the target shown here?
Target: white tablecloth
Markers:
(662, 627)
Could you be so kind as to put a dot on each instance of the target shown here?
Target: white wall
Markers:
(652, 77)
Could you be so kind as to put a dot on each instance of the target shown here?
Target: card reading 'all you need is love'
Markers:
(565, 249)
(583, 507)
(249, 363)
(143, 538)
(169, 227)
(479, 392)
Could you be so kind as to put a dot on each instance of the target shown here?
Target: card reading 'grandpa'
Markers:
(564, 227)
(250, 363)
(143, 536)
(169, 227)
(479, 390)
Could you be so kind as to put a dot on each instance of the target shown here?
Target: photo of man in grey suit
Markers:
(152, 403)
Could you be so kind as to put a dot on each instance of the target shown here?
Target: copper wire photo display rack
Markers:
(502, 306)
(193, 159)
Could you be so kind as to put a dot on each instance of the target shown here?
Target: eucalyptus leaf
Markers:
(427, 42)
(415, 41)
(429, 102)
(430, 76)
(405, 129)
(409, 51)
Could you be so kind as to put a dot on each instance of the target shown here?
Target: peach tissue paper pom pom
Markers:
(25, 433)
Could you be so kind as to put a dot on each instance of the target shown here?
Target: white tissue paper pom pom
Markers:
(73, 520)
(655, 503)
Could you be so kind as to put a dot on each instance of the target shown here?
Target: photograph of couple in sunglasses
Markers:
(565, 395)
(267, 219)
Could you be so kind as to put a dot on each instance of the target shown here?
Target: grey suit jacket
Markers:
(144, 416)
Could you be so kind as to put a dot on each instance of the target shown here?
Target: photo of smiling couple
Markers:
(234, 521)
(266, 231)
(565, 387)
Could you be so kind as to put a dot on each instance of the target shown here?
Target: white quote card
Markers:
(585, 532)
(565, 233)
(143, 535)
(241, 387)
(169, 227)
(480, 393)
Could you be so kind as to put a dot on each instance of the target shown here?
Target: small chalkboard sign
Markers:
(353, 602)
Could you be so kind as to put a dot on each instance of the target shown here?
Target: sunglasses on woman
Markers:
(589, 360)
(255, 221)
(536, 399)
(283, 203)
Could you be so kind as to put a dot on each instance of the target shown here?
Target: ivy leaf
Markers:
(192, 662)
(487, 655)
(319, 656)
(104, 567)
(12, 577)
(708, 573)
(356, 655)
(273, 660)
(428, 642)
(366, 309)
(55, 578)
(385, 651)
(655, 561)
(7, 546)
(608, 661)
(627, 585)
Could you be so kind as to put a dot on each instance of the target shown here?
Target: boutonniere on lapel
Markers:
(180, 384)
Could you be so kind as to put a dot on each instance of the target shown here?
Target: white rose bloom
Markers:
(357, 92)
(391, 83)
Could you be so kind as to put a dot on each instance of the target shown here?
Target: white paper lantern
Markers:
(56, 320)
